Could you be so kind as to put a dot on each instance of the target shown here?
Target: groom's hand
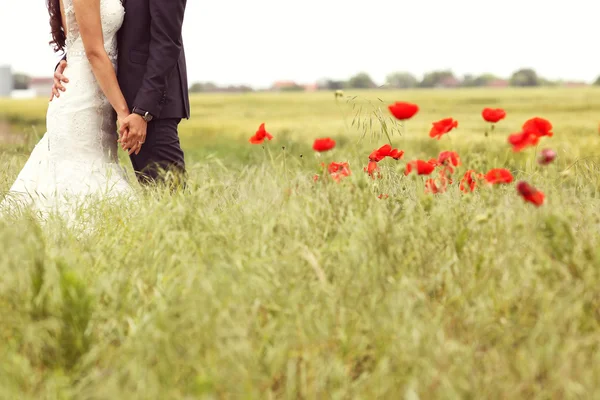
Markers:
(57, 87)
(133, 133)
(123, 130)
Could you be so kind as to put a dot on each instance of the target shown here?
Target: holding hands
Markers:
(132, 132)
(132, 127)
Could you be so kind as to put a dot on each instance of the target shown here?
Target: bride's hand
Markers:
(134, 130)
(123, 129)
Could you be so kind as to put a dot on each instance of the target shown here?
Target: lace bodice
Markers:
(112, 15)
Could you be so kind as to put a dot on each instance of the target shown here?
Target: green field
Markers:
(260, 283)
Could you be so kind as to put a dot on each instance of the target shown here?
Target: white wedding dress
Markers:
(76, 160)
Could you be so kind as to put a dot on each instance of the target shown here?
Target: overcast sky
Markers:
(258, 41)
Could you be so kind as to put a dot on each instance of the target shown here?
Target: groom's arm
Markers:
(61, 60)
(165, 49)
(59, 78)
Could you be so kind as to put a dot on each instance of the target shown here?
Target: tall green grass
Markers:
(260, 283)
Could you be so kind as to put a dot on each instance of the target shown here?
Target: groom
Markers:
(153, 77)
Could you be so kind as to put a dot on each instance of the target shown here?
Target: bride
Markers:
(77, 158)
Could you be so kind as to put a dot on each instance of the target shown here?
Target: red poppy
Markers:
(422, 167)
(493, 115)
(447, 160)
(539, 127)
(521, 140)
(385, 151)
(383, 196)
(377, 155)
(325, 144)
(431, 187)
(402, 110)
(531, 133)
(449, 156)
(372, 168)
(434, 162)
(442, 127)
(315, 178)
(499, 175)
(547, 156)
(530, 193)
(446, 174)
(337, 167)
(339, 170)
(469, 181)
(260, 135)
(396, 154)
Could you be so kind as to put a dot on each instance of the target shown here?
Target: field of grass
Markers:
(260, 283)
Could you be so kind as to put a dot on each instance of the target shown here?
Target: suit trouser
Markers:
(160, 153)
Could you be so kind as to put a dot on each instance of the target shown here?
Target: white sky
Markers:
(259, 41)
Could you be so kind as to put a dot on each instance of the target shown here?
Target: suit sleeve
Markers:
(61, 60)
(165, 48)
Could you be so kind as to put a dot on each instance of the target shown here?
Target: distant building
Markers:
(498, 83)
(448, 83)
(311, 87)
(41, 86)
(575, 84)
(291, 86)
(281, 86)
(6, 81)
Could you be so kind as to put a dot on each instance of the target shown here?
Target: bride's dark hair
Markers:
(56, 26)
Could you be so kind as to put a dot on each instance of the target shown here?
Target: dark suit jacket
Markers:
(151, 67)
(151, 70)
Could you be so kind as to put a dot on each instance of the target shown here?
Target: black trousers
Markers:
(161, 155)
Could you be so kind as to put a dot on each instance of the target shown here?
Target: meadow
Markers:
(258, 282)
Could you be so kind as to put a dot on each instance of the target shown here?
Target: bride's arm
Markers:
(87, 13)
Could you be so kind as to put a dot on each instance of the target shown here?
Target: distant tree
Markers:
(292, 88)
(597, 83)
(361, 81)
(485, 80)
(525, 77)
(401, 80)
(336, 85)
(330, 84)
(21, 81)
(201, 87)
(435, 78)
(468, 81)
(244, 89)
(195, 88)
(549, 82)
(478, 81)
(209, 87)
